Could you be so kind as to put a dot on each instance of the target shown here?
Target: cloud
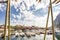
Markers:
(42, 4)
(14, 15)
(26, 16)
(30, 19)
(2, 7)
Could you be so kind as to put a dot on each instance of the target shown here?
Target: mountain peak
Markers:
(57, 20)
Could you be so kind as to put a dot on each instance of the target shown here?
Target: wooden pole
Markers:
(6, 22)
(52, 20)
(5, 27)
(8, 10)
(47, 22)
(50, 9)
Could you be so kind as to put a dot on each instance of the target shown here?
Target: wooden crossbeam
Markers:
(56, 1)
(38, 1)
(3, 1)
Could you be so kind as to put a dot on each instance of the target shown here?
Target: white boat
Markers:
(16, 34)
(22, 34)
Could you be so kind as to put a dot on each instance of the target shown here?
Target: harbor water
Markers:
(37, 37)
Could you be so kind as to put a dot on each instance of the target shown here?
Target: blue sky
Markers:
(29, 14)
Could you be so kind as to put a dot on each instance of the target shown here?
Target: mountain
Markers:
(57, 21)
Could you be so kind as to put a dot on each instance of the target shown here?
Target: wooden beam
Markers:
(3, 1)
(52, 20)
(8, 11)
(38, 1)
(47, 23)
(6, 22)
(56, 1)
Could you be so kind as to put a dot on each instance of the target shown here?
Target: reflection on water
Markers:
(37, 37)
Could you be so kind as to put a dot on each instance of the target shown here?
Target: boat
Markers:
(29, 34)
(16, 34)
(22, 34)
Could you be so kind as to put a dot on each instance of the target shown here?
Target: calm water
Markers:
(37, 37)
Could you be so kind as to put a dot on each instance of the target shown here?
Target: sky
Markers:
(29, 12)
